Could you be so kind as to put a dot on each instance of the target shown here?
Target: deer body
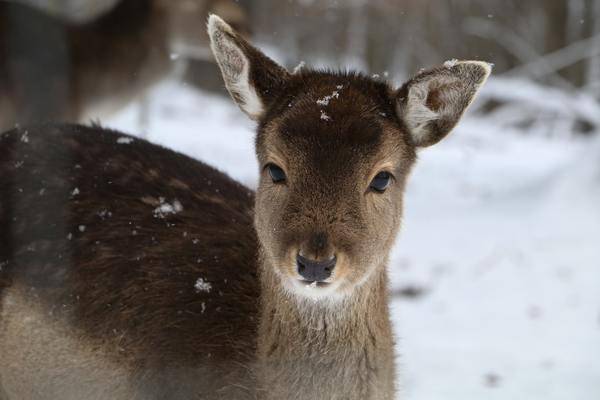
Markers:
(102, 246)
(133, 272)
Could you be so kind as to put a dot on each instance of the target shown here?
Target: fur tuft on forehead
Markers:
(342, 91)
(344, 106)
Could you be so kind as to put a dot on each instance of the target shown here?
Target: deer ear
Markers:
(431, 103)
(252, 79)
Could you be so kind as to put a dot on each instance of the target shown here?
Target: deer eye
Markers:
(276, 173)
(381, 181)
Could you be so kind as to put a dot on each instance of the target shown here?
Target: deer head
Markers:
(335, 150)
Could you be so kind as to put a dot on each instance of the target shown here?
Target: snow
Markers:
(324, 116)
(104, 213)
(550, 110)
(165, 208)
(500, 242)
(202, 286)
(510, 258)
(450, 63)
(125, 140)
(298, 67)
(323, 102)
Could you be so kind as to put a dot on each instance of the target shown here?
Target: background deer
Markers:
(130, 271)
(71, 67)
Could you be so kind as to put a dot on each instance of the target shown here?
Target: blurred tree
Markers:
(403, 36)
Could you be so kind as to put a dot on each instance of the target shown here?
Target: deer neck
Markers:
(325, 350)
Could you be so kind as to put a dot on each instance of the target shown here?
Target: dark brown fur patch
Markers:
(76, 232)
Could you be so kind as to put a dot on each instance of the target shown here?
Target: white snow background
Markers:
(501, 233)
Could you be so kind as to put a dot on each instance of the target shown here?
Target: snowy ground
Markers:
(501, 236)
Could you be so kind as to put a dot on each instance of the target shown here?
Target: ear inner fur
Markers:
(432, 103)
(252, 78)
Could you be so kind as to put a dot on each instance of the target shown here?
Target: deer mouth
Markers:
(313, 284)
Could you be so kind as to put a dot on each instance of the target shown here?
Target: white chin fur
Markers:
(330, 293)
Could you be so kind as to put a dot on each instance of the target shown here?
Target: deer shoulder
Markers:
(126, 268)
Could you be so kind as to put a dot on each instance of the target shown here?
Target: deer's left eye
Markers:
(276, 173)
(381, 181)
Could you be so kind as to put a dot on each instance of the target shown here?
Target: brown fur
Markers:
(126, 282)
(104, 276)
(340, 349)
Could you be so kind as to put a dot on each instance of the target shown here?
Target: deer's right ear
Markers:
(252, 78)
(432, 103)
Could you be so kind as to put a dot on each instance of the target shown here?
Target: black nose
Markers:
(312, 270)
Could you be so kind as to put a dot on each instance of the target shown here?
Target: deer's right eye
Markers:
(276, 173)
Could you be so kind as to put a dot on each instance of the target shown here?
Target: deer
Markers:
(130, 271)
(81, 60)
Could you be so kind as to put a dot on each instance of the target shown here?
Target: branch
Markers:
(516, 45)
(561, 58)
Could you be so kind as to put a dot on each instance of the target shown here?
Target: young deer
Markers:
(129, 271)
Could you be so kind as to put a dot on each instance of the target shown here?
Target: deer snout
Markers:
(315, 270)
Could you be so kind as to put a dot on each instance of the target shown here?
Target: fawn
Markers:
(128, 271)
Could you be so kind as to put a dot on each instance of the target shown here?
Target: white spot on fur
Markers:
(202, 286)
(104, 213)
(75, 192)
(324, 116)
(298, 67)
(25, 137)
(125, 140)
(166, 208)
(81, 228)
(323, 102)
(450, 63)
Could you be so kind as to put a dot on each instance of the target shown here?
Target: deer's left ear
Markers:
(252, 78)
(431, 103)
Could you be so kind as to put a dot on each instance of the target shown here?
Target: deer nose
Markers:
(315, 271)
